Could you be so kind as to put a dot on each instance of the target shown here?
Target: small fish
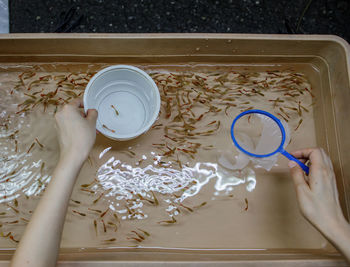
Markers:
(22, 111)
(179, 162)
(16, 146)
(283, 117)
(59, 77)
(95, 226)
(104, 126)
(36, 82)
(53, 102)
(299, 123)
(40, 182)
(291, 108)
(45, 78)
(7, 235)
(145, 199)
(110, 240)
(304, 108)
(200, 205)
(116, 111)
(300, 113)
(284, 112)
(312, 95)
(210, 123)
(69, 85)
(13, 222)
(16, 203)
(76, 201)
(13, 239)
(135, 238)
(138, 235)
(70, 93)
(38, 92)
(30, 148)
(157, 125)
(24, 219)
(131, 152)
(42, 167)
(31, 96)
(173, 139)
(116, 217)
(168, 108)
(27, 102)
(185, 207)
(41, 146)
(27, 75)
(257, 92)
(104, 226)
(80, 213)
(88, 185)
(90, 160)
(143, 231)
(292, 95)
(113, 224)
(246, 204)
(104, 213)
(276, 101)
(87, 190)
(14, 209)
(97, 199)
(156, 202)
(98, 211)
(131, 212)
(173, 220)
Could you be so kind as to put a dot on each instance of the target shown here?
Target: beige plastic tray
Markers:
(328, 56)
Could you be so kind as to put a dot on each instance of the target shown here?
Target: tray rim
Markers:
(251, 37)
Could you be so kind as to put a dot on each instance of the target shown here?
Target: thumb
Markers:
(92, 115)
(297, 175)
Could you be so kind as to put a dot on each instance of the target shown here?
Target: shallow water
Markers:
(195, 176)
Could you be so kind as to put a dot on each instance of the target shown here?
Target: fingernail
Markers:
(292, 164)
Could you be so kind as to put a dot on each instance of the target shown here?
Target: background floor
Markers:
(149, 16)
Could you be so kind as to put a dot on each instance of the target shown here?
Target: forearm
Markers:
(40, 243)
(339, 235)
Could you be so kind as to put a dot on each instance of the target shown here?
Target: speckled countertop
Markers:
(149, 16)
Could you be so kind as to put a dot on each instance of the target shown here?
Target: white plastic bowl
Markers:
(134, 95)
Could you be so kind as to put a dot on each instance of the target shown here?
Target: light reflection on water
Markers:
(23, 170)
(20, 174)
(125, 181)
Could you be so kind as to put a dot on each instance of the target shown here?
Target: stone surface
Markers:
(150, 16)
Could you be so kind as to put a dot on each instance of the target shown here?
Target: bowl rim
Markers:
(136, 71)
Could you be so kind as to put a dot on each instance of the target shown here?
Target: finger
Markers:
(92, 115)
(297, 175)
(303, 153)
(77, 102)
(312, 154)
(303, 160)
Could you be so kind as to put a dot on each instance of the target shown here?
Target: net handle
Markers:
(291, 157)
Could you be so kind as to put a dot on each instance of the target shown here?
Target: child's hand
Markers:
(318, 196)
(76, 132)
